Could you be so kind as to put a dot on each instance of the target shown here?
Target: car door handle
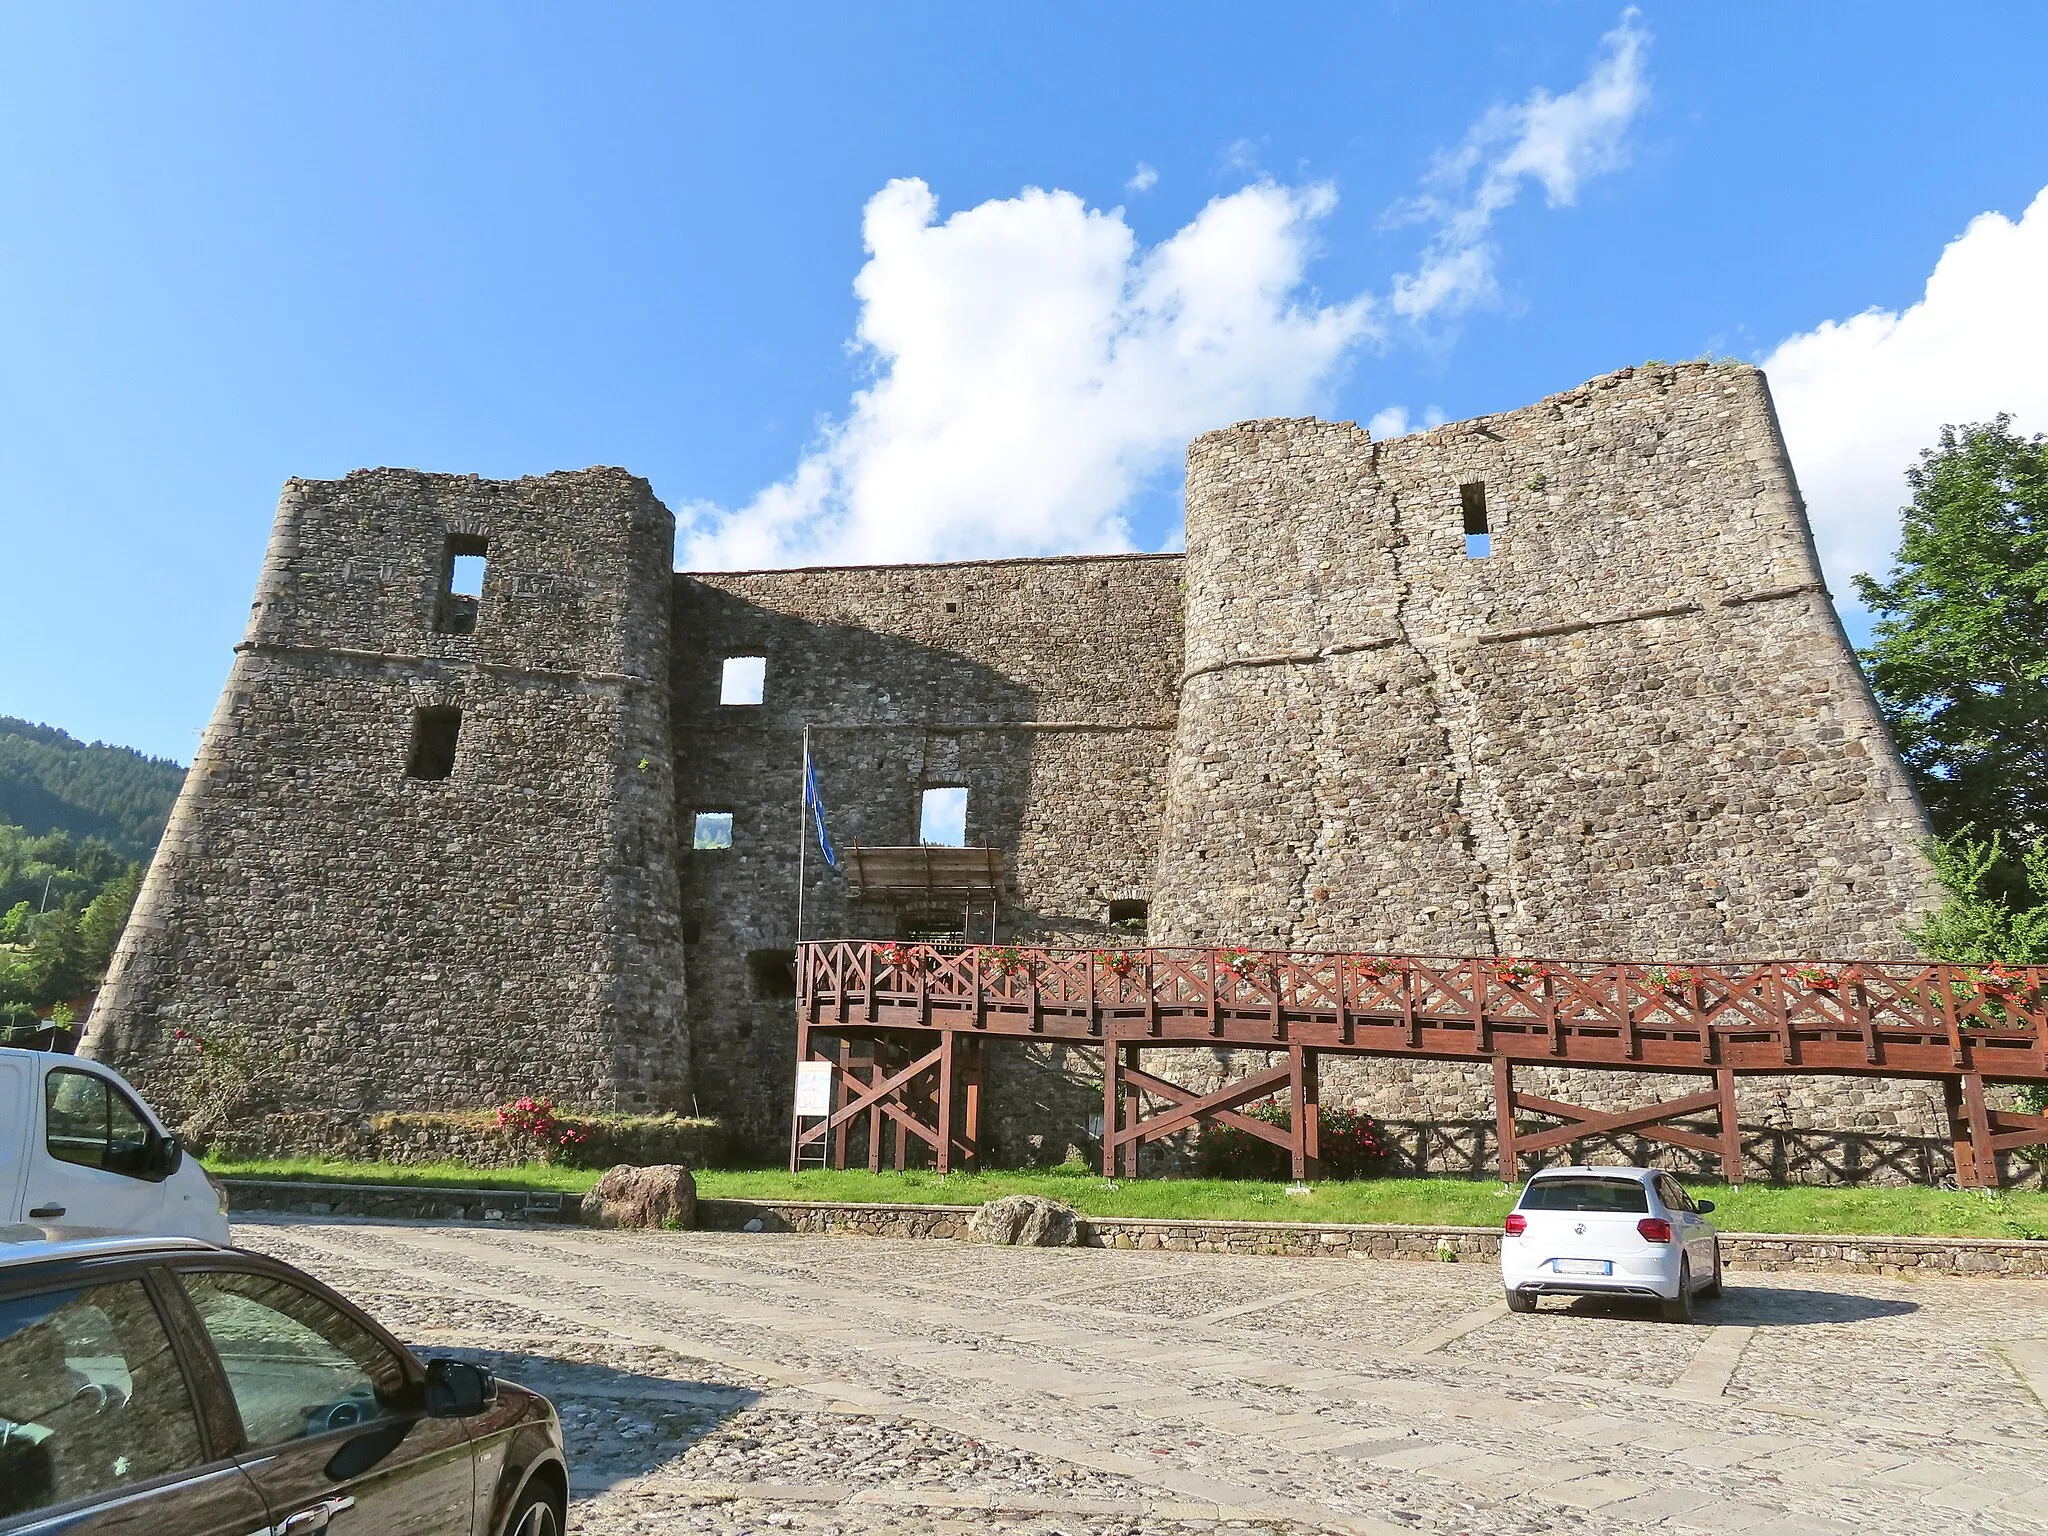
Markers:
(46, 1212)
(313, 1518)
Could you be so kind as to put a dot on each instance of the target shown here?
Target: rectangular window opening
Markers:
(462, 584)
(743, 680)
(713, 830)
(942, 820)
(1131, 915)
(1478, 536)
(435, 731)
(773, 972)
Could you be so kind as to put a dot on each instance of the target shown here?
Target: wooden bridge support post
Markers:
(1731, 1132)
(1969, 1131)
(943, 1153)
(970, 1135)
(840, 1093)
(875, 1120)
(1132, 1145)
(1305, 1096)
(1981, 1149)
(1112, 1103)
(1504, 1118)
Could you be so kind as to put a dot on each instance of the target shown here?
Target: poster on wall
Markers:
(813, 1088)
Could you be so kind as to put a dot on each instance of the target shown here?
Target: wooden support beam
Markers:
(1506, 1146)
(1980, 1131)
(870, 1096)
(1731, 1131)
(1129, 1144)
(943, 1146)
(970, 1141)
(1136, 1082)
(1644, 1120)
(2011, 1129)
(1188, 1108)
(1112, 1102)
(1308, 1113)
(1964, 1154)
(839, 1092)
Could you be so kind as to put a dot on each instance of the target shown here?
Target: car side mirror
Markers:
(457, 1390)
(1704, 1206)
(163, 1156)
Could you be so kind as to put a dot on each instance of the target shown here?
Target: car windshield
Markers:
(1585, 1194)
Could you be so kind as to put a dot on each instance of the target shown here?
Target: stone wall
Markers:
(1044, 687)
(387, 941)
(1633, 729)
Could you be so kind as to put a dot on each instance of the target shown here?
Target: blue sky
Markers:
(239, 243)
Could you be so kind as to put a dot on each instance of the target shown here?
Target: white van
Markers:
(80, 1150)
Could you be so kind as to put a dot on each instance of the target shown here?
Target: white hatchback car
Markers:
(1610, 1232)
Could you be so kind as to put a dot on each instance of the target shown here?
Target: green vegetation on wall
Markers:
(50, 782)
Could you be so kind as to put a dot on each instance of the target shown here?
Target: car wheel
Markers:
(1521, 1301)
(1712, 1289)
(536, 1513)
(1679, 1308)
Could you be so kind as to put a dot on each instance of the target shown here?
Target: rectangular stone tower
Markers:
(426, 853)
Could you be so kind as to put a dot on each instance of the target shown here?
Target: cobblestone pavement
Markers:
(725, 1383)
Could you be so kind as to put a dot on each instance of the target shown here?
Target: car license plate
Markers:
(1584, 1266)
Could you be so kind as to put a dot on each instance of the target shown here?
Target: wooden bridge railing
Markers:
(1960, 1025)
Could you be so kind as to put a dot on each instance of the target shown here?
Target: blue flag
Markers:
(817, 808)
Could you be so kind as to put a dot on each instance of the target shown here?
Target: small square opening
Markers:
(713, 829)
(462, 584)
(743, 680)
(942, 819)
(773, 972)
(1478, 536)
(1131, 914)
(435, 731)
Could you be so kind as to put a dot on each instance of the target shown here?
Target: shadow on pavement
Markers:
(1759, 1306)
(617, 1424)
(1770, 1306)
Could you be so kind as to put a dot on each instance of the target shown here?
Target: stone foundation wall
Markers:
(409, 1140)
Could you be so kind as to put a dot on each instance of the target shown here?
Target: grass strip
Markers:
(1788, 1209)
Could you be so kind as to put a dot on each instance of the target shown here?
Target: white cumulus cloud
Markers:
(1143, 180)
(1034, 367)
(1859, 398)
(1558, 142)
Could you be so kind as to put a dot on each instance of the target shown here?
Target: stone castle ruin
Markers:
(1559, 682)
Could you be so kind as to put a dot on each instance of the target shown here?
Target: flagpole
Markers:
(803, 809)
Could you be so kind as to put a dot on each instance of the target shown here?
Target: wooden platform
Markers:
(907, 1025)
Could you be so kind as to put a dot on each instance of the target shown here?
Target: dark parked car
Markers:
(166, 1387)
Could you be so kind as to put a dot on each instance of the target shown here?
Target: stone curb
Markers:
(2010, 1257)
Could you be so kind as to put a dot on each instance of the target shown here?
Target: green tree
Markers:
(1959, 654)
(1997, 906)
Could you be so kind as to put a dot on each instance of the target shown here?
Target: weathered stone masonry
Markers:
(417, 943)
(1632, 728)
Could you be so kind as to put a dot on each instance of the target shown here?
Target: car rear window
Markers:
(1585, 1194)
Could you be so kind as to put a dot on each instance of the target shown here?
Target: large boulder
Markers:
(660, 1196)
(1026, 1221)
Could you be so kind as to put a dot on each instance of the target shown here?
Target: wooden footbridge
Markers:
(908, 1026)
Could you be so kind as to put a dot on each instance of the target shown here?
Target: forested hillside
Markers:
(51, 782)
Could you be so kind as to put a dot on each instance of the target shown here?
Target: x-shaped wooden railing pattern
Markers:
(1959, 1025)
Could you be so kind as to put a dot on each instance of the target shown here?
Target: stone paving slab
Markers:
(729, 1382)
